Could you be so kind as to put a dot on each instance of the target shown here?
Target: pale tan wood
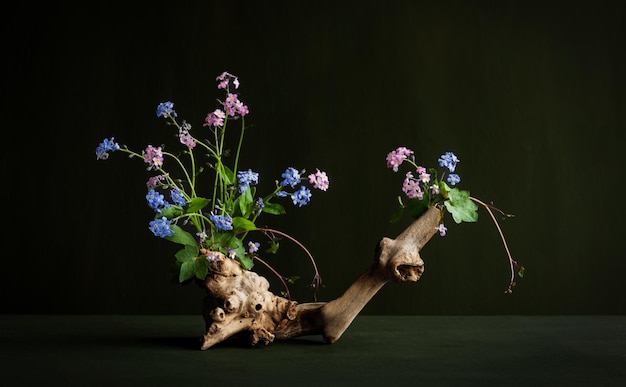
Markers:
(240, 300)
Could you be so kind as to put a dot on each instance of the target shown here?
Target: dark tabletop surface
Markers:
(124, 350)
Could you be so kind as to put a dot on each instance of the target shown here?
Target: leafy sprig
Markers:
(425, 190)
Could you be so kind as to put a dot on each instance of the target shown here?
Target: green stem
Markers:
(265, 200)
(220, 183)
(191, 180)
(217, 157)
(243, 128)
(182, 167)
(193, 217)
(192, 160)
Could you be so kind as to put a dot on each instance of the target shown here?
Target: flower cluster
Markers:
(425, 189)
(415, 186)
(221, 220)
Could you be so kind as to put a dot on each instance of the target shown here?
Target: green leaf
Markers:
(235, 244)
(274, 246)
(169, 212)
(191, 265)
(228, 175)
(274, 209)
(462, 208)
(240, 253)
(182, 237)
(245, 202)
(223, 238)
(188, 260)
(187, 271)
(197, 204)
(201, 268)
(433, 174)
(444, 189)
(246, 262)
(397, 214)
(417, 207)
(188, 253)
(242, 225)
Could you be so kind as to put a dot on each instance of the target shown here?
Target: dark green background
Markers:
(529, 95)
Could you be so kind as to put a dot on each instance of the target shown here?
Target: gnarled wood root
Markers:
(241, 301)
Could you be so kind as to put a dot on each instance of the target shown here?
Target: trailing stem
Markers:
(317, 279)
(277, 274)
(512, 263)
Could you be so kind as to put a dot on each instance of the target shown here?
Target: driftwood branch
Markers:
(241, 301)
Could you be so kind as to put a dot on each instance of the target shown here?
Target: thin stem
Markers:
(243, 128)
(221, 173)
(223, 134)
(193, 172)
(512, 262)
(317, 279)
(181, 167)
(169, 179)
(218, 160)
(282, 279)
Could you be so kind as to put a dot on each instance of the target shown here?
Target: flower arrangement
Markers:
(221, 218)
(427, 189)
